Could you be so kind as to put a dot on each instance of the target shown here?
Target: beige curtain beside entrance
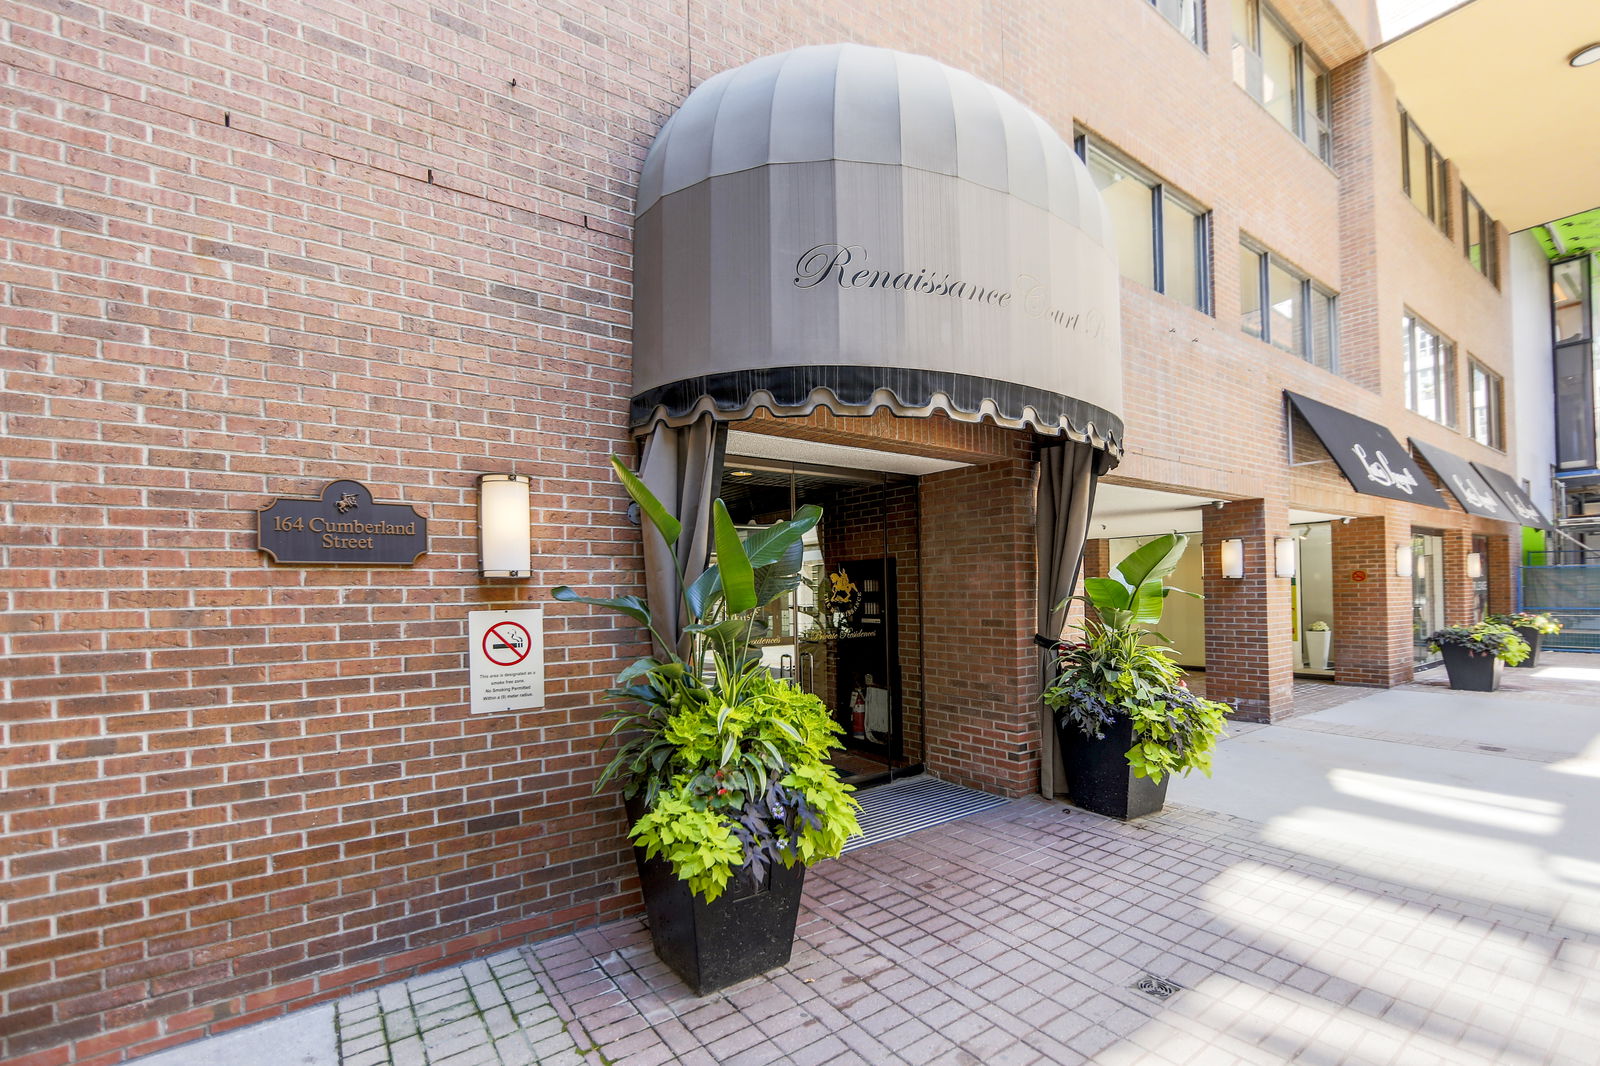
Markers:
(682, 465)
(1068, 473)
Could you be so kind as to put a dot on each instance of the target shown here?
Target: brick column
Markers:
(1372, 615)
(1096, 563)
(979, 591)
(1460, 600)
(1502, 566)
(1249, 661)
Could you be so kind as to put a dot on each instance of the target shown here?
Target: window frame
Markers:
(1474, 217)
(1493, 434)
(1310, 290)
(1438, 209)
(1204, 300)
(1448, 362)
(1313, 124)
(1198, 38)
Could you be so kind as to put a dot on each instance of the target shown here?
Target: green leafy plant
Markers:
(1317, 627)
(1484, 638)
(1114, 671)
(1539, 623)
(729, 763)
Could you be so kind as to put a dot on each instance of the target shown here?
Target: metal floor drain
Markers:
(1155, 987)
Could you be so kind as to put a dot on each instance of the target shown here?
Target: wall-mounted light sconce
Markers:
(1283, 554)
(505, 534)
(1404, 560)
(1474, 565)
(1233, 558)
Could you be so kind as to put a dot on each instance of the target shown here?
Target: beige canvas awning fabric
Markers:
(861, 229)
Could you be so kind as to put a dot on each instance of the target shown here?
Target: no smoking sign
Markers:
(506, 660)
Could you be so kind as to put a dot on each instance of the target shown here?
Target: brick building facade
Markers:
(250, 250)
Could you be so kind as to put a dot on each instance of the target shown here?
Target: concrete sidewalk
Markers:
(1407, 876)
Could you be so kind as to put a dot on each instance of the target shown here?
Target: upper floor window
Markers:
(1478, 237)
(1275, 67)
(1430, 372)
(1422, 173)
(1486, 395)
(1162, 236)
(1285, 308)
(1187, 15)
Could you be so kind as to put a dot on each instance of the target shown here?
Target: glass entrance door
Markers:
(851, 633)
(1427, 593)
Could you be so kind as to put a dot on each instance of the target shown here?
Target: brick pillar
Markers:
(1460, 599)
(979, 591)
(1249, 661)
(1502, 566)
(1372, 615)
(1096, 563)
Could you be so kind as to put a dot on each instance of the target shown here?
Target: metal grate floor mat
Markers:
(902, 807)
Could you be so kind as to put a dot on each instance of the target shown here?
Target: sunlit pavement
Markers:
(1408, 876)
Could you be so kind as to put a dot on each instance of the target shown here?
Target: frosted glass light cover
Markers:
(505, 533)
(1404, 560)
(1284, 552)
(1233, 558)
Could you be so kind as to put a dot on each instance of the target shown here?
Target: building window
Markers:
(1187, 15)
(1279, 71)
(1477, 237)
(1286, 309)
(1430, 372)
(1162, 236)
(1422, 173)
(1486, 393)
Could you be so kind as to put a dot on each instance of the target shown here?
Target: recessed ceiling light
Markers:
(1589, 53)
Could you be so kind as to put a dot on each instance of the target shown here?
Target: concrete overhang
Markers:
(1489, 83)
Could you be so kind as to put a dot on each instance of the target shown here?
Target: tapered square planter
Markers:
(745, 932)
(1472, 671)
(1099, 778)
(1533, 637)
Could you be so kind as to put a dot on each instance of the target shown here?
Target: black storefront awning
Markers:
(1476, 495)
(1369, 456)
(1522, 509)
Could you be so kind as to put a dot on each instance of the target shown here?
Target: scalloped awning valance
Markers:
(860, 229)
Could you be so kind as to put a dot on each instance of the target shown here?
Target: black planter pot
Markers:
(745, 932)
(1472, 671)
(1099, 778)
(1533, 637)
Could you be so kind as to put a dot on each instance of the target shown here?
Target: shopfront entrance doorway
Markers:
(851, 634)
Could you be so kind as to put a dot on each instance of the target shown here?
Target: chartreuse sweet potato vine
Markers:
(731, 763)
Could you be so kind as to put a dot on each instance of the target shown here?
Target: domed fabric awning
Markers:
(860, 229)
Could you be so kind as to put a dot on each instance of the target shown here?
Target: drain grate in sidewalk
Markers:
(902, 807)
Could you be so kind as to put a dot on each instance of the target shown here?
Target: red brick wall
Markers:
(1460, 597)
(979, 596)
(1372, 615)
(1249, 655)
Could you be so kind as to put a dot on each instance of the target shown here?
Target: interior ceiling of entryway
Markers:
(1127, 511)
(1489, 83)
(790, 450)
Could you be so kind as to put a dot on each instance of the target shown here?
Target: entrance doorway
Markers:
(1427, 592)
(851, 633)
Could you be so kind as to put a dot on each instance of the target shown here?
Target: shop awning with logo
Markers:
(1523, 510)
(1475, 495)
(1368, 454)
